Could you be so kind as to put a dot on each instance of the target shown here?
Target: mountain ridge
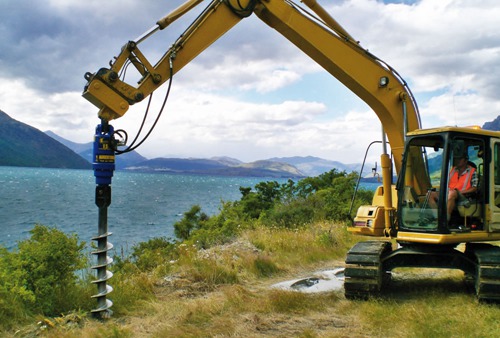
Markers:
(24, 146)
(16, 152)
(315, 166)
(294, 167)
(219, 167)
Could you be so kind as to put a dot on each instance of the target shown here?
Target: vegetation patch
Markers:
(215, 278)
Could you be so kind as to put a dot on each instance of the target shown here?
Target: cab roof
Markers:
(473, 130)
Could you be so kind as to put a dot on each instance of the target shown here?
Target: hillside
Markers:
(24, 146)
(221, 165)
(17, 152)
(218, 166)
(272, 167)
(234, 290)
(314, 166)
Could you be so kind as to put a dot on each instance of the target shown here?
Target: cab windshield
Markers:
(425, 157)
(432, 201)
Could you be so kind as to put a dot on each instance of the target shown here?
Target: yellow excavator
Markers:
(409, 215)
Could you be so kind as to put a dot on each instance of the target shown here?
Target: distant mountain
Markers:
(219, 166)
(85, 151)
(76, 147)
(178, 165)
(227, 160)
(493, 125)
(272, 166)
(293, 167)
(25, 146)
(314, 166)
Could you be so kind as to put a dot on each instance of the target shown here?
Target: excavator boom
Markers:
(320, 37)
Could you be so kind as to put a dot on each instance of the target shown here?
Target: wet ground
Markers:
(321, 281)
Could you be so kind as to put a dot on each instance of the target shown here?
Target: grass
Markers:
(225, 292)
(292, 248)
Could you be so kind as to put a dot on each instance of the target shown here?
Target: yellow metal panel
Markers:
(102, 96)
(453, 238)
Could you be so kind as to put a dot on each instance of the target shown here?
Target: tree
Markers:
(191, 221)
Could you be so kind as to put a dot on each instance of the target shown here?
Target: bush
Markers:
(12, 307)
(41, 276)
(203, 231)
(46, 265)
(289, 205)
(292, 215)
(191, 221)
(157, 251)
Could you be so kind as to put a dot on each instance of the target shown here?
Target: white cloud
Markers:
(239, 98)
(66, 114)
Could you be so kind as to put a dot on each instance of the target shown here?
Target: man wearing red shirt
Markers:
(461, 181)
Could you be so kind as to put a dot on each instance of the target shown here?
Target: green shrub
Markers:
(291, 215)
(12, 307)
(46, 265)
(208, 231)
(157, 251)
(289, 205)
(191, 221)
(40, 277)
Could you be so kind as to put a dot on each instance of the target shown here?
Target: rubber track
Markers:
(363, 272)
(487, 282)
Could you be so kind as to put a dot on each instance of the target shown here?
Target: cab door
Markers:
(495, 186)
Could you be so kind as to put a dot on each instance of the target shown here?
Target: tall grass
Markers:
(225, 291)
(420, 304)
(301, 247)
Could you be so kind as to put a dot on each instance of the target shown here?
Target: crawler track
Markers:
(364, 274)
(487, 279)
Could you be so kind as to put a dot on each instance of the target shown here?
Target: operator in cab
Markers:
(462, 181)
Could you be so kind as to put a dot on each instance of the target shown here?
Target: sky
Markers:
(252, 95)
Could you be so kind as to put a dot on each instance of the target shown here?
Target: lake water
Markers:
(143, 206)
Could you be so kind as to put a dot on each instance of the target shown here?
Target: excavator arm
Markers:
(113, 96)
(318, 35)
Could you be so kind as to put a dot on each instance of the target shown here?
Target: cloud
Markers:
(237, 74)
(252, 94)
(447, 50)
(210, 125)
(64, 113)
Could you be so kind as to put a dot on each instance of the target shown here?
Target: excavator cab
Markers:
(420, 196)
(428, 226)
(424, 205)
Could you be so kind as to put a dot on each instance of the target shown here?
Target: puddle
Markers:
(321, 281)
